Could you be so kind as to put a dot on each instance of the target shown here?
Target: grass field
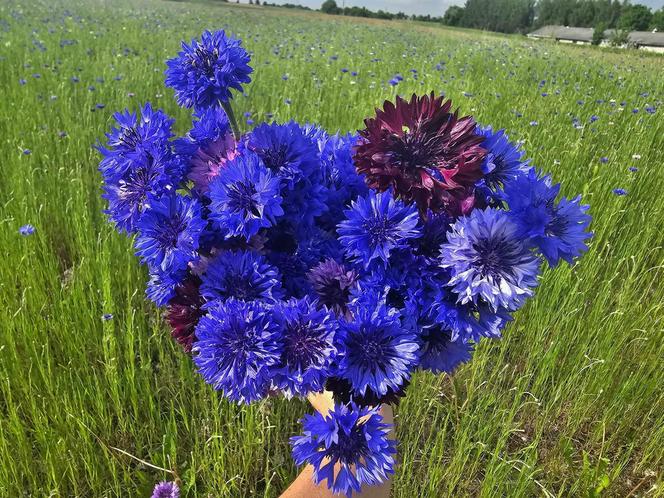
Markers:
(569, 403)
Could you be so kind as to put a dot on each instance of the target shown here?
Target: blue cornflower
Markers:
(107, 317)
(375, 225)
(144, 181)
(333, 283)
(439, 353)
(504, 160)
(244, 197)
(169, 232)
(241, 275)
(204, 73)
(292, 156)
(487, 259)
(209, 125)
(236, 348)
(26, 230)
(166, 489)
(306, 346)
(27, 152)
(352, 438)
(434, 234)
(559, 230)
(161, 286)
(376, 352)
(465, 322)
(620, 191)
(603, 160)
(132, 137)
(341, 179)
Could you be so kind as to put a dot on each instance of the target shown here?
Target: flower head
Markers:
(245, 197)
(351, 437)
(144, 179)
(169, 232)
(376, 351)
(558, 230)
(305, 344)
(293, 157)
(241, 275)
(236, 348)
(209, 125)
(376, 225)
(333, 282)
(161, 286)
(503, 161)
(26, 230)
(487, 259)
(185, 310)
(133, 136)
(166, 489)
(439, 353)
(421, 149)
(204, 72)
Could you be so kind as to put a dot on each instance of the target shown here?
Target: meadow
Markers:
(568, 403)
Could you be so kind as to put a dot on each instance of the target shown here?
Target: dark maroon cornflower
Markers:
(421, 149)
(184, 311)
(332, 283)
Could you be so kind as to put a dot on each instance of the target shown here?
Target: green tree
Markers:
(657, 21)
(453, 16)
(598, 33)
(330, 7)
(635, 18)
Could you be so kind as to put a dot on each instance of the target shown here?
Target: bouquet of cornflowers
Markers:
(292, 261)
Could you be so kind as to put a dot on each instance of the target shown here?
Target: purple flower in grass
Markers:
(236, 348)
(620, 191)
(352, 438)
(166, 489)
(204, 72)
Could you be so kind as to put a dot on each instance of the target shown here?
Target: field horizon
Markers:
(568, 403)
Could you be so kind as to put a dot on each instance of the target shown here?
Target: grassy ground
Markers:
(569, 403)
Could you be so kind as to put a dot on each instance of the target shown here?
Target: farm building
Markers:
(646, 40)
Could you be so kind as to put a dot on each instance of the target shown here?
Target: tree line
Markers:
(520, 16)
(514, 16)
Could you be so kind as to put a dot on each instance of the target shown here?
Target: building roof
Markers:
(647, 38)
(639, 38)
(563, 33)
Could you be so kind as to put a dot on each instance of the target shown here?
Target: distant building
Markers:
(645, 40)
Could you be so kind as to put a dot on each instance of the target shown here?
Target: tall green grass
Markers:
(569, 403)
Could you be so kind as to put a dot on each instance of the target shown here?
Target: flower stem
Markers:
(226, 106)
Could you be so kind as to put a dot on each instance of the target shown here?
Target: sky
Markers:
(432, 7)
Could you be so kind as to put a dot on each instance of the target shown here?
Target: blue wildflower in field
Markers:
(204, 72)
(352, 438)
(620, 191)
(26, 230)
(292, 260)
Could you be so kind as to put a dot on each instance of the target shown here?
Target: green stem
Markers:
(226, 106)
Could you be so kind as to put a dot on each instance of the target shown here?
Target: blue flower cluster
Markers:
(284, 270)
